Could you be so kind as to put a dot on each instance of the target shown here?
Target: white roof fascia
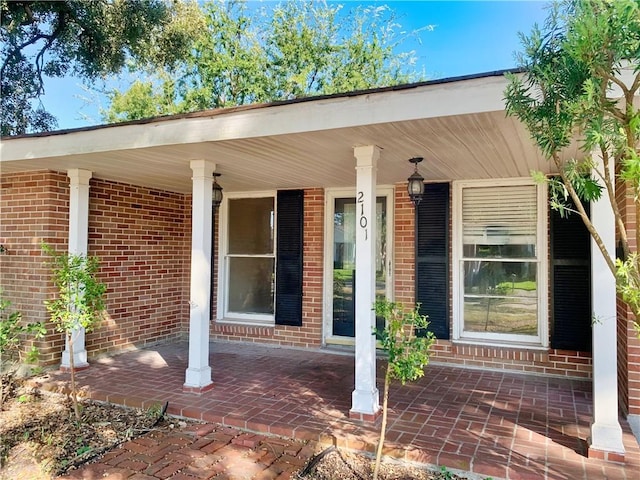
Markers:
(462, 97)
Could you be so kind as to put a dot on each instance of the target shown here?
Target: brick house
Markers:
(315, 223)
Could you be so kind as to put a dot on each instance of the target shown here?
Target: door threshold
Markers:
(340, 349)
(349, 341)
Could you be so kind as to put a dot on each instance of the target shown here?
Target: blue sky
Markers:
(468, 37)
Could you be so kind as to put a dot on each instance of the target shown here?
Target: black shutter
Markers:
(290, 207)
(432, 257)
(570, 283)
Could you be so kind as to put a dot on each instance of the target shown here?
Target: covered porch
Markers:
(503, 425)
(140, 197)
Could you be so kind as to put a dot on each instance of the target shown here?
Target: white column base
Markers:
(365, 403)
(197, 378)
(607, 438)
(79, 360)
(634, 423)
(79, 352)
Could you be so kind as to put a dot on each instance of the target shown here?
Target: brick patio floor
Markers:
(496, 424)
(200, 452)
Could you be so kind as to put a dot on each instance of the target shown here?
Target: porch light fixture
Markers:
(216, 200)
(415, 184)
(217, 192)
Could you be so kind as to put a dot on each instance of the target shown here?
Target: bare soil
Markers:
(41, 439)
(334, 464)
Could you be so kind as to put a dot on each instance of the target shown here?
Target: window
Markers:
(250, 258)
(500, 252)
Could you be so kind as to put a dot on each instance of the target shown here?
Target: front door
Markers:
(342, 282)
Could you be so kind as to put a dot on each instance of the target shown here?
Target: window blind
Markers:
(499, 215)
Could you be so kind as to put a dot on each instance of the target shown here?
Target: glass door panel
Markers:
(344, 263)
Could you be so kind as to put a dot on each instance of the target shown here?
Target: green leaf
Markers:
(407, 352)
(570, 93)
(90, 39)
(278, 52)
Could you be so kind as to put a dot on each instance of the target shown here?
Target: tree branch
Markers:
(610, 187)
(50, 38)
(618, 114)
(617, 81)
(635, 86)
(29, 12)
(18, 48)
(583, 214)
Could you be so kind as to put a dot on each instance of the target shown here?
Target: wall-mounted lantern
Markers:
(216, 200)
(217, 192)
(415, 184)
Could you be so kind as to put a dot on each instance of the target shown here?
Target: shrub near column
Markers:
(407, 342)
(79, 303)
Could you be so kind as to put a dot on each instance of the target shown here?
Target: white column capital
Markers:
(78, 176)
(202, 168)
(366, 155)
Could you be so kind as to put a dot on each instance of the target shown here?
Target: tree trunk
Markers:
(72, 367)
(383, 427)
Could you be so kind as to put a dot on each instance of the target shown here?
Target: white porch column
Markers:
(78, 245)
(198, 374)
(606, 434)
(364, 400)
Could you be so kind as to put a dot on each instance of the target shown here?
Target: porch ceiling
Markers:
(459, 128)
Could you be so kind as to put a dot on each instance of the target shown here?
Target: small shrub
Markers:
(13, 332)
(408, 352)
(79, 303)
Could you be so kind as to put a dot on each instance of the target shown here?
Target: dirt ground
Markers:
(335, 464)
(41, 439)
(40, 433)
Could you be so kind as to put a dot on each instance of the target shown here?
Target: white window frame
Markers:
(501, 339)
(330, 195)
(223, 315)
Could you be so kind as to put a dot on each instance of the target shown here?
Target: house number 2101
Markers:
(363, 219)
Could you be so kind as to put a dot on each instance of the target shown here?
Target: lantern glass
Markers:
(416, 185)
(217, 193)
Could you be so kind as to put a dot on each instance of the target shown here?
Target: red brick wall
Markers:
(141, 239)
(404, 247)
(310, 334)
(34, 208)
(628, 342)
(138, 235)
(552, 362)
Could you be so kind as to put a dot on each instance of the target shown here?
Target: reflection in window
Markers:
(344, 262)
(251, 226)
(499, 260)
(500, 297)
(251, 285)
(251, 260)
